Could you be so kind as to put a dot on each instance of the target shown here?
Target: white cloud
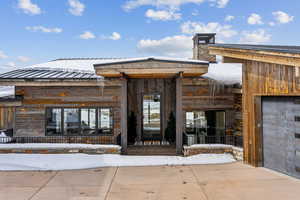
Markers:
(282, 17)
(76, 7)
(220, 3)
(113, 36)
(195, 12)
(174, 46)
(223, 31)
(171, 4)
(23, 59)
(255, 19)
(255, 37)
(162, 15)
(229, 18)
(11, 64)
(29, 8)
(43, 29)
(3, 55)
(272, 24)
(87, 35)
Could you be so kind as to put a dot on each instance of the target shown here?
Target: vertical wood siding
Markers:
(7, 117)
(262, 79)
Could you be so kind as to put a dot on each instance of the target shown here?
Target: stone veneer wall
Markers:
(213, 149)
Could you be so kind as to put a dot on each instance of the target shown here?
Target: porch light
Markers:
(156, 98)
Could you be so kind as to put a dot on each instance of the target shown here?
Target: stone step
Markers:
(151, 150)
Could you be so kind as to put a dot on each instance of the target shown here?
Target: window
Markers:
(53, 120)
(78, 121)
(196, 122)
(104, 120)
(88, 121)
(71, 121)
(208, 123)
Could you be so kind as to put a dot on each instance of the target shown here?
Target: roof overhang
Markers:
(256, 54)
(152, 68)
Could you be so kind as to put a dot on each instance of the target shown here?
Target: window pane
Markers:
(88, 121)
(105, 120)
(71, 121)
(151, 113)
(53, 122)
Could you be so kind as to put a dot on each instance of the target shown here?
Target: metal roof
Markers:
(35, 73)
(272, 48)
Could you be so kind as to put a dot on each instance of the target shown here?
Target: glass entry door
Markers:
(152, 117)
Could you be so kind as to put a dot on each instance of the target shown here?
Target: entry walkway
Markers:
(204, 182)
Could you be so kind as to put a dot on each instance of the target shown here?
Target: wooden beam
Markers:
(260, 56)
(162, 72)
(124, 116)
(179, 122)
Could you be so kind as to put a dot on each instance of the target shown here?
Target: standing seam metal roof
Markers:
(30, 73)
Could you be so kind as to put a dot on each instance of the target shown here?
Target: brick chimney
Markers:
(201, 42)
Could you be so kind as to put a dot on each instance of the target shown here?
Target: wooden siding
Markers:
(30, 117)
(205, 94)
(7, 117)
(262, 79)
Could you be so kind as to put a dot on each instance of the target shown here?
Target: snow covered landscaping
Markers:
(42, 162)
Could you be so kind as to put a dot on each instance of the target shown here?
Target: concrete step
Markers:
(169, 150)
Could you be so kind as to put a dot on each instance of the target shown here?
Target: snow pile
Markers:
(37, 146)
(7, 91)
(4, 138)
(226, 73)
(83, 161)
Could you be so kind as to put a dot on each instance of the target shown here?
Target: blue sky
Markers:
(35, 31)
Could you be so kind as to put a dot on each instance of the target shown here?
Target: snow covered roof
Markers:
(162, 59)
(7, 91)
(227, 73)
(82, 64)
(87, 64)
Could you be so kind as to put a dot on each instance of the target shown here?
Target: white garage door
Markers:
(281, 134)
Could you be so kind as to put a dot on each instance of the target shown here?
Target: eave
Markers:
(151, 68)
(274, 57)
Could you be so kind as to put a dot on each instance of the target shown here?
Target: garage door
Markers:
(281, 134)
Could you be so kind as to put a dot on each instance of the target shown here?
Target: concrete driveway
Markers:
(208, 182)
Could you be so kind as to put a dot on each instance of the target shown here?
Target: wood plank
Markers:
(124, 116)
(179, 114)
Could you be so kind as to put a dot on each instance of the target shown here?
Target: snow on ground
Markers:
(11, 162)
(57, 146)
(227, 73)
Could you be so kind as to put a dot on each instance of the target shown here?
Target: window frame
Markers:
(80, 133)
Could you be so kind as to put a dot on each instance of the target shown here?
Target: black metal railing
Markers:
(202, 139)
(60, 139)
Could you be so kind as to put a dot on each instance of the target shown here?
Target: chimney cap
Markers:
(209, 38)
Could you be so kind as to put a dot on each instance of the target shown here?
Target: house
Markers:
(150, 100)
(271, 109)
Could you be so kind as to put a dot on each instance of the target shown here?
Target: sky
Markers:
(36, 31)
